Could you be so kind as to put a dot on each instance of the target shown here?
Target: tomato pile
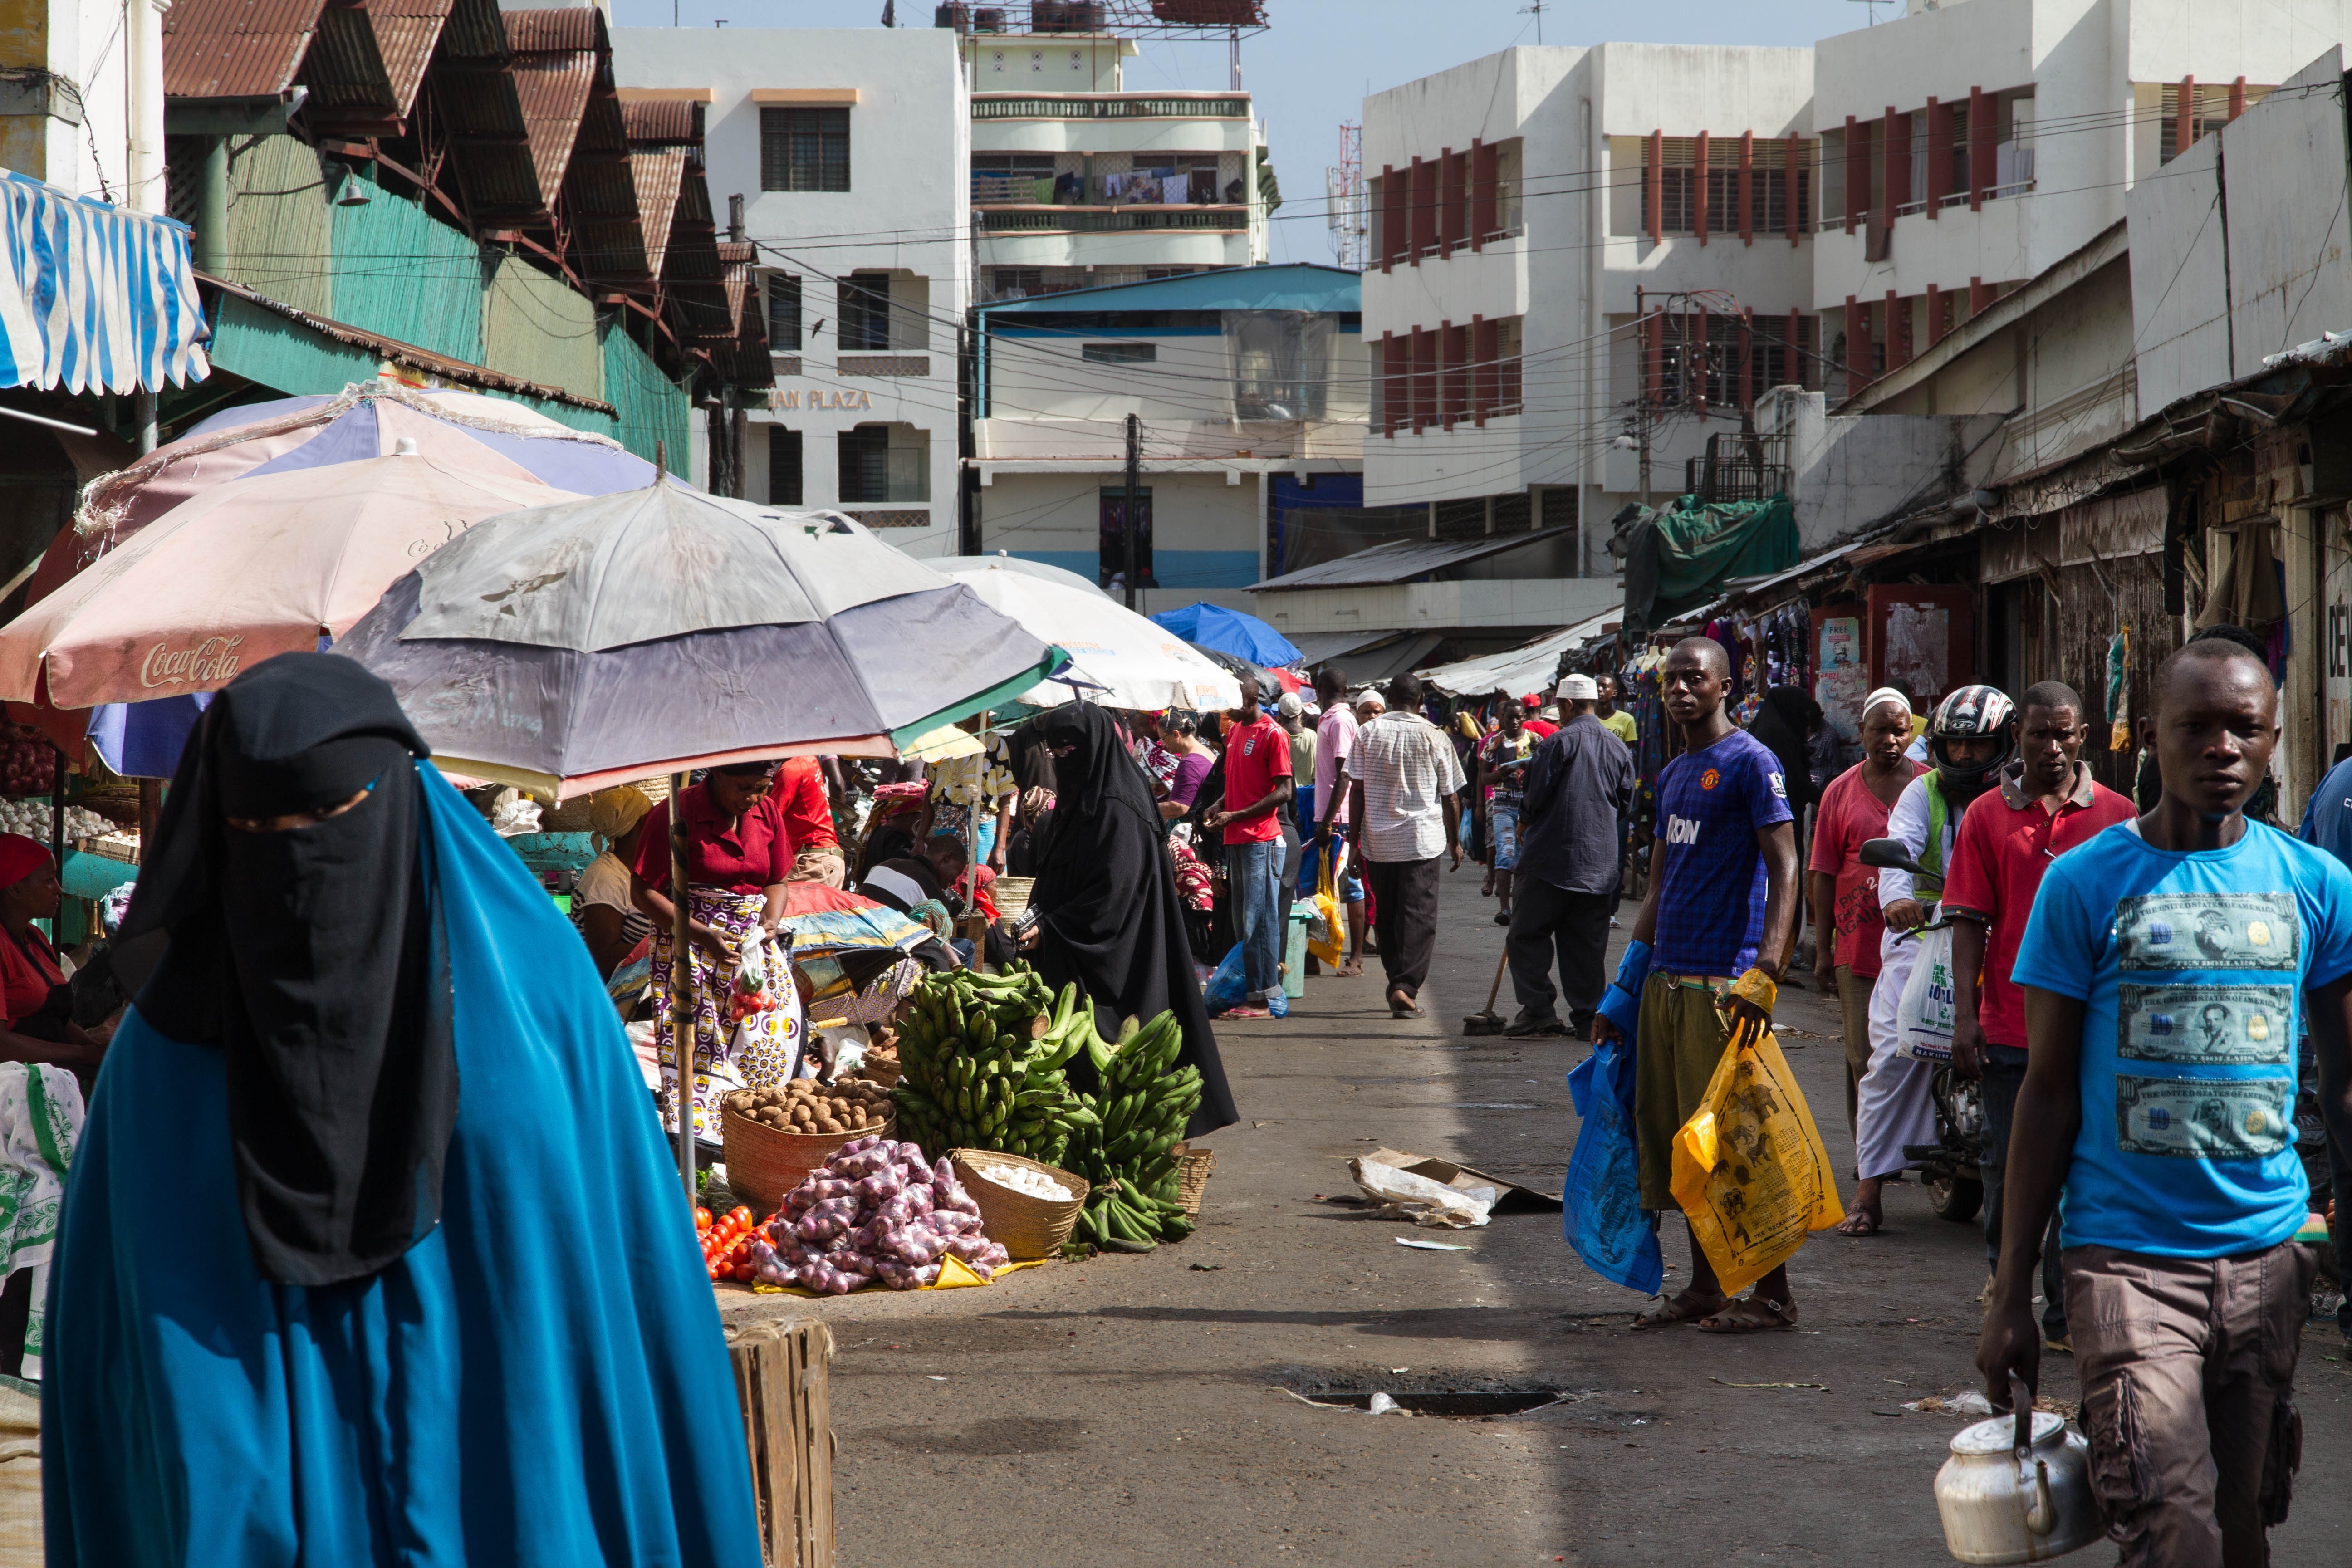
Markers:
(727, 1243)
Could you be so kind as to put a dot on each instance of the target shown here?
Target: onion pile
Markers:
(29, 763)
(874, 1211)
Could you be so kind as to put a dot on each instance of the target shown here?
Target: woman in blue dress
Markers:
(371, 1253)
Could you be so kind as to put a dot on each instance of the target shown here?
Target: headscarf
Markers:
(1108, 913)
(19, 857)
(613, 812)
(312, 959)
(1785, 722)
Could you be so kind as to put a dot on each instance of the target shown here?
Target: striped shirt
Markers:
(1407, 767)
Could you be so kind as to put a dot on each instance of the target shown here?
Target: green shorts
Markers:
(1682, 1039)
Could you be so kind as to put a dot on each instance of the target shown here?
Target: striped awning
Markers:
(94, 298)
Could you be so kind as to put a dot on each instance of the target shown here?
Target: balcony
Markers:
(1108, 220)
(1123, 106)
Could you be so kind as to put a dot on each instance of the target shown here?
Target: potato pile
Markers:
(807, 1106)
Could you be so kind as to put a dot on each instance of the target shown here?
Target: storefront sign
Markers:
(820, 397)
(209, 663)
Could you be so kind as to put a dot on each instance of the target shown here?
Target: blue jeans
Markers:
(2004, 1074)
(1254, 882)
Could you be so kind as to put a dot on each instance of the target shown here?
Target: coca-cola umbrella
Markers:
(260, 565)
(598, 640)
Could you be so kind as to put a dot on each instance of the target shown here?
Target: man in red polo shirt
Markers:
(1257, 783)
(808, 816)
(2047, 804)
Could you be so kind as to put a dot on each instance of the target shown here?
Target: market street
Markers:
(1127, 1410)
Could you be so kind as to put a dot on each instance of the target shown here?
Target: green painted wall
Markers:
(399, 272)
(651, 408)
(535, 327)
(279, 223)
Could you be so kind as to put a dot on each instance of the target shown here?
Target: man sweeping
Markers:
(1707, 945)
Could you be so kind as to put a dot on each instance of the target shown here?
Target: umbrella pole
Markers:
(681, 987)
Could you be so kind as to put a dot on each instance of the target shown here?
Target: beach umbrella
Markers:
(957, 565)
(1116, 656)
(1244, 635)
(1269, 686)
(595, 641)
(261, 565)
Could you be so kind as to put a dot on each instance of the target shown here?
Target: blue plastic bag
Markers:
(1229, 987)
(1600, 1203)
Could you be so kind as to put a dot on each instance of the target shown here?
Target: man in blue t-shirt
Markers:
(1723, 888)
(2165, 965)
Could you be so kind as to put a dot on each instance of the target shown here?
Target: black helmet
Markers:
(1972, 713)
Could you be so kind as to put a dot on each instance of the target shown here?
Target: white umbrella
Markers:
(1135, 663)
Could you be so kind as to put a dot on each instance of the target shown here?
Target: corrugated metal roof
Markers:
(1404, 559)
(600, 197)
(1529, 667)
(1295, 287)
(1366, 657)
(473, 31)
(662, 120)
(560, 56)
(364, 67)
(405, 34)
(656, 174)
(235, 48)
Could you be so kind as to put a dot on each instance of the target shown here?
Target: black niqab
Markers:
(312, 959)
(1108, 913)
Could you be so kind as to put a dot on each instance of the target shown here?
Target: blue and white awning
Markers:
(94, 298)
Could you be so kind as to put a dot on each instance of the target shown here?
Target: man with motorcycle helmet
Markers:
(1971, 738)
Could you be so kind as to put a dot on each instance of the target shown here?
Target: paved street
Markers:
(1131, 1410)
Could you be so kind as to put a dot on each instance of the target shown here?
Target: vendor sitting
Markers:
(603, 902)
(33, 1029)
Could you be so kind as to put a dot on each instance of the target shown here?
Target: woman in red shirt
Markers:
(29, 964)
(738, 857)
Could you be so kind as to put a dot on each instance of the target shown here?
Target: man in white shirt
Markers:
(1335, 744)
(1407, 814)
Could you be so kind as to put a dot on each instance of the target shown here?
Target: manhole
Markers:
(1453, 1406)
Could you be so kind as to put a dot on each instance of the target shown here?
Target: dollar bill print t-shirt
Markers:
(2191, 968)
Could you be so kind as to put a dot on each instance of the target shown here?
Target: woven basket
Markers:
(1025, 1226)
(1193, 1168)
(763, 1165)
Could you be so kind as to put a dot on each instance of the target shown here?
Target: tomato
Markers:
(741, 1211)
(701, 1218)
(743, 1272)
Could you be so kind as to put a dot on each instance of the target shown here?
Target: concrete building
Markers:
(81, 97)
(1249, 391)
(848, 147)
(1077, 183)
(1585, 262)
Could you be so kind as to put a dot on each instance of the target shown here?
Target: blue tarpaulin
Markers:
(1230, 631)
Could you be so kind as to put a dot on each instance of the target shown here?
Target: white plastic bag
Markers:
(1923, 1020)
(1421, 1200)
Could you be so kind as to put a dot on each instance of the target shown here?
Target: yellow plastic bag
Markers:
(1749, 1170)
(1332, 949)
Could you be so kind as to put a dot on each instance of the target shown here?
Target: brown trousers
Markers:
(1854, 1022)
(2188, 1373)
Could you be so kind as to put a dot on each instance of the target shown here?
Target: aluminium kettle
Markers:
(2017, 1489)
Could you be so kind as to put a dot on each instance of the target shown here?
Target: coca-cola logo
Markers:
(210, 662)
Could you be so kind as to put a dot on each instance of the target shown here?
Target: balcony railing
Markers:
(1105, 220)
(1026, 107)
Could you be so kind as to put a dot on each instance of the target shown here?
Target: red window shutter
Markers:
(1939, 155)
(1895, 174)
(1393, 219)
(1980, 146)
(2184, 117)
(1654, 183)
(1698, 191)
(1484, 378)
(1791, 171)
(1747, 188)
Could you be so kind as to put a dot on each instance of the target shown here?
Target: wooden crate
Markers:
(782, 1382)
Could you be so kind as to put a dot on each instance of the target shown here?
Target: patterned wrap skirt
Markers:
(765, 1049)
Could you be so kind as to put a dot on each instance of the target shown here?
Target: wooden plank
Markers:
(816, 1380)
(781, 1444)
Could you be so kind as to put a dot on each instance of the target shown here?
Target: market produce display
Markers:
(1127, 1154)
(1022, 1179)
(983, 1061)
(874, 1211)
(726, 1243)
(29, 763)
(807, 1106)
(31, 818)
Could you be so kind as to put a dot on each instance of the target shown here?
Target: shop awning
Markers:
(1366, 657)
(1530, 668)
(94, 298)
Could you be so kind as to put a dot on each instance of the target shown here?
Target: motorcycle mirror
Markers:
(1889, 855)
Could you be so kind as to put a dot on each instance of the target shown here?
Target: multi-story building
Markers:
(848, 148)
(1584, 264)
(1247, 391)
(1077, 183)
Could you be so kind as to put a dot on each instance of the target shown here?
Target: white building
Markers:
(81, 97)
(1077, 183)
(1556, 229)
(849, 147)
(1249, 391)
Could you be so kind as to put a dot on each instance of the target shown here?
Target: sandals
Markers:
(1753, 1315)
(1351, 970)
(1405, 1008)
(1685, 1306)
(1861, 1223)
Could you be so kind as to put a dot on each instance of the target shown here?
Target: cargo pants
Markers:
(2188, 1370)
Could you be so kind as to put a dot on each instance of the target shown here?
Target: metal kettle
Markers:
(2018, 1489)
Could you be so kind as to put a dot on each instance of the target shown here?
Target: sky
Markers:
(1311, 70)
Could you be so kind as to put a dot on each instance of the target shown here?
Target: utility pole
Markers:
(1129, 503)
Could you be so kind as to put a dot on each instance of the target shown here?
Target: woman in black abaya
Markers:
(1108, 913)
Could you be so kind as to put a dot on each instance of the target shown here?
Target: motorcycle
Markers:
(1951, 1167)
